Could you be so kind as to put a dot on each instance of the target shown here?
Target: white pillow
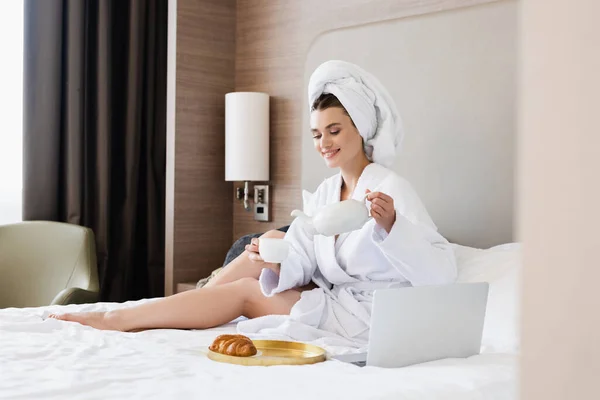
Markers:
(500, 266)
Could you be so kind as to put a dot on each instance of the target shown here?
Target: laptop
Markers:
(418, 324)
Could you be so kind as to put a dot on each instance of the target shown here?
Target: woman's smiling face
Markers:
(335, 137)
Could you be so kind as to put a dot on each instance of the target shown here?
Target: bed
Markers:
(456, 95)
(49, 359)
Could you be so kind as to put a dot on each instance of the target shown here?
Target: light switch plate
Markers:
(261, 203)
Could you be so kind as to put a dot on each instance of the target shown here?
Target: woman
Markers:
(326, 284)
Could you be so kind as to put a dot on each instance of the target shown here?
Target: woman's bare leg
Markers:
(242, 266)
(195, 309)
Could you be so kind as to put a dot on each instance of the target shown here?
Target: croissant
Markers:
(233, 345)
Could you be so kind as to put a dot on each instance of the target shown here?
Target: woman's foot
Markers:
(99, 320)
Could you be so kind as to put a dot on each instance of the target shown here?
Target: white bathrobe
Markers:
(348, 269)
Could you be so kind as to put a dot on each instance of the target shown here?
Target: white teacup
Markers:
(273, 250)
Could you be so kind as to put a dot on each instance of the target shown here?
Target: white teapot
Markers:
(337, 218)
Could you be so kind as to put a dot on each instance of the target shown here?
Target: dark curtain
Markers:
(95, 134)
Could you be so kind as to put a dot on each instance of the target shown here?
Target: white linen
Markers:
(339, 311)
(50, 359)
(368, 103)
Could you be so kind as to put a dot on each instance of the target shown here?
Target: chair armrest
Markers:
(75, 295)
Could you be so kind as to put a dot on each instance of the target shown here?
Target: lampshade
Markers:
(246, 136)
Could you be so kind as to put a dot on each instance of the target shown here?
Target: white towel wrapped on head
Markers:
(368, 103)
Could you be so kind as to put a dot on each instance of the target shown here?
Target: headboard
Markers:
(453, 76)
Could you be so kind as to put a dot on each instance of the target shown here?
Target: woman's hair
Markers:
(327, 100)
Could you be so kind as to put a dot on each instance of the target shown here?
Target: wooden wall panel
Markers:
(273, 38)
(199, 201)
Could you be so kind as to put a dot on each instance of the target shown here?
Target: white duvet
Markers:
(50, 359)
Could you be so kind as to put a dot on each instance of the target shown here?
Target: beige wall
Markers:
(559, 172)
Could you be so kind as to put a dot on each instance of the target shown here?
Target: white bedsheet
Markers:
(50, 359)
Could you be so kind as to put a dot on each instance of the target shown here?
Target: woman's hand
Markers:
(382, 209)
(254, 256)
(252, 249)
